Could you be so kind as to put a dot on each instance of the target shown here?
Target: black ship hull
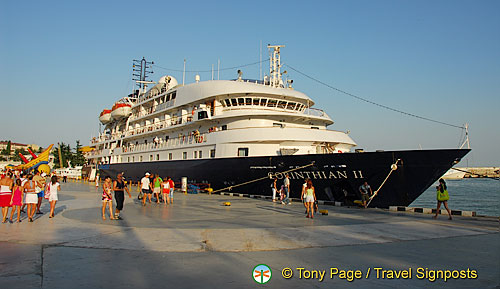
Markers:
(336, 177)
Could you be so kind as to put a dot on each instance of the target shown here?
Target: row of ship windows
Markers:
(242, 152)
(241, 101)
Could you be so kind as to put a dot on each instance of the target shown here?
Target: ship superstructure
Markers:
(217, 119)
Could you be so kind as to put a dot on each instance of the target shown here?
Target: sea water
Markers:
(479, 195)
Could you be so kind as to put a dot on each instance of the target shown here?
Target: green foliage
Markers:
(16, 156)
(7, 150)
(69, 157)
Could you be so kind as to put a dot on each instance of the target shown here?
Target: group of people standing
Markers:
(157, 186)
(20, 191)
(160, 188)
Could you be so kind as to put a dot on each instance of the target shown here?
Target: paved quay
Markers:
(199, 243)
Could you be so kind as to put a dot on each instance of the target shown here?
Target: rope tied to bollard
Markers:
(394, 167)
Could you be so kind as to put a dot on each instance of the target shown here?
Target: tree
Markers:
(65, 153)
(6, 151)
(78, 158)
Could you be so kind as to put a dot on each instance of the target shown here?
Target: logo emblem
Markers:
(262, 273)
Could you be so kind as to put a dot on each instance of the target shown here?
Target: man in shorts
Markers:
(157, 187)
(366, 192)
(40, 187)
(146, 188)
(119, 187)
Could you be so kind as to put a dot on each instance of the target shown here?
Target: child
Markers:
(16, 201)
(282, 194)
(107, 198)
(165, 190)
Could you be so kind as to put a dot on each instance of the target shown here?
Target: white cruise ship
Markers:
(232, 134)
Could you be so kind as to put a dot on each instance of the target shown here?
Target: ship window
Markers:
(243, 152)
(248, 101)
(224, 127)
(157, 157)
(255, 101)
(128, 159)
(291, 105)
(168, 97)
(271, 103)
(314, 127)
(200, 154)
(140, 159)
(195, 154)
(299, 107)
(263, 101)
(133, 159)
(241, 101)
(170, 156)
(282, 104)
(174, 94)
(150, 157)
(202, 114)
(228, 102)
(212, 153)
(233, 102)
(184, 155)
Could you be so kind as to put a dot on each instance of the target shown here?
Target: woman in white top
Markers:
(31, 197)
(52, 188)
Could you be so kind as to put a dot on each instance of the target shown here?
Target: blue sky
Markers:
(62, 62)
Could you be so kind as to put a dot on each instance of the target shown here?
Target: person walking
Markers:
(366, 192)
(302, 195)
(157, 187)
(165, 190)
(274, 188)
(107, 198)
(6, 185)
(16, 201)
(146, 188)
(119, 187)
(310, 198)
(52, 188)
(286, 184)
(170, 198)
(40, 188)
(442, 196)
(31, 197)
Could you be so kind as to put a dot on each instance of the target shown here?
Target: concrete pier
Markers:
(200, 243)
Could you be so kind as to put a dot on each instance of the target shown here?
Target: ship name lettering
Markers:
(315, 175)
(357, 174)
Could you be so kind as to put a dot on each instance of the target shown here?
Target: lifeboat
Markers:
(105, 116)
(121, 110)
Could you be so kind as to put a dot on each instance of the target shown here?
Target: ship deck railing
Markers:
(159, 144)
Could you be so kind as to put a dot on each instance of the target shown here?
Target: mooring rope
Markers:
(260, 179)
(394, 166)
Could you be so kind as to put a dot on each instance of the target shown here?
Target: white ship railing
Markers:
(153, 109)
(161, 144)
